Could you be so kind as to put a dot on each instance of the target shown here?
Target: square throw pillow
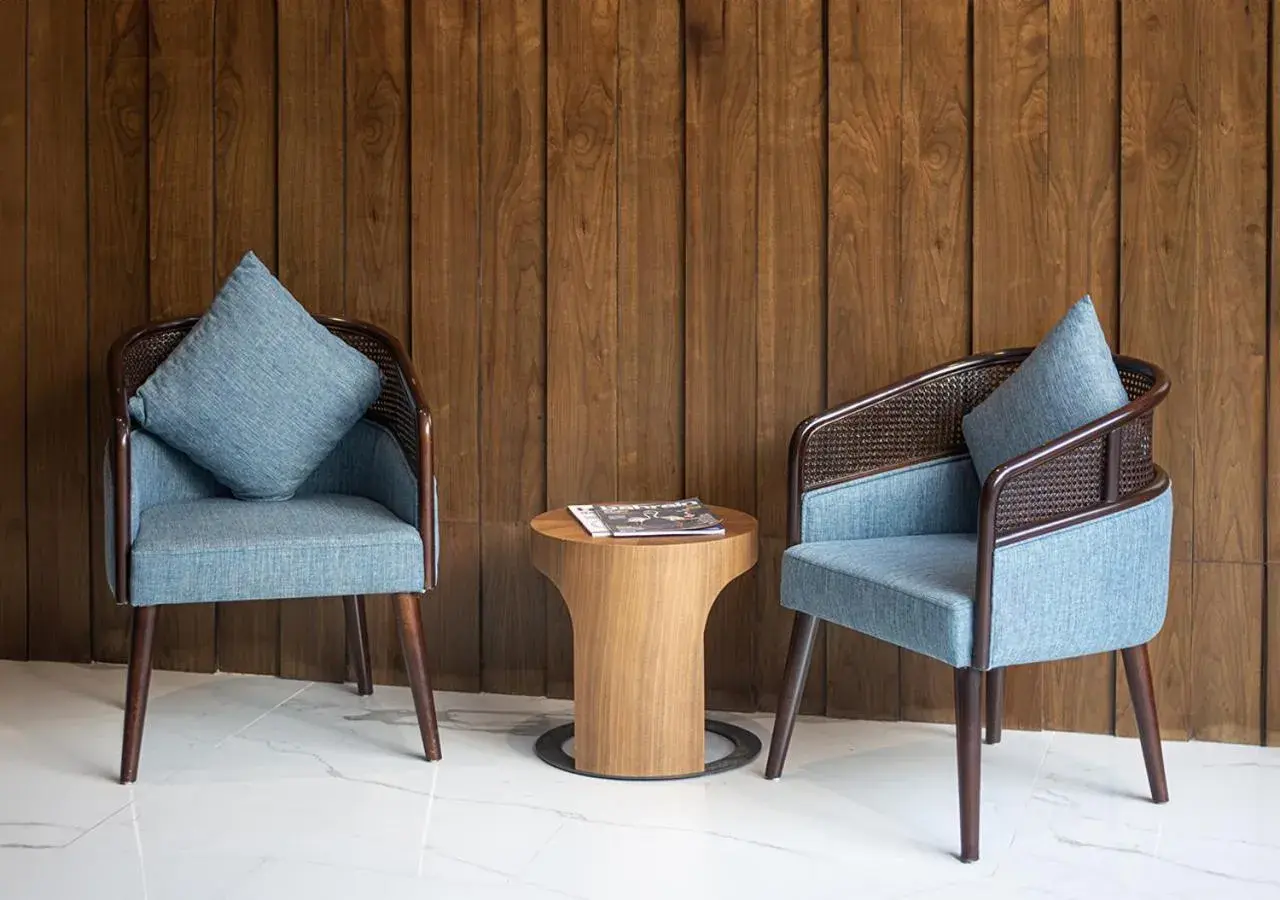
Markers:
(1068, 381)
(259, 392)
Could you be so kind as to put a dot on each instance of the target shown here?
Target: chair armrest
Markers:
(911, 422)
(150, 473)
(1100, 468)
(403, 411)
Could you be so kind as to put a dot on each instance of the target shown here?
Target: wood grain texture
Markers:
(1271, 714)
(640, 607)
(1231, 197)
(790, 320)
(650, 250)
(377, 227)
(312, 240)
(582, 275)
(1013, 282)
(118, 299)
(444, 261)
(720, 289)
(57, 418)
(13, 327)
(180, 235)
(930, 324)
(1158, 288)
(1227, 636)
(1083, 246)
(512, 352)
(1226, 663)
(244, 217)
(863, 279)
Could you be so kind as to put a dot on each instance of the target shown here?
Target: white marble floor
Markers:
(264, 788)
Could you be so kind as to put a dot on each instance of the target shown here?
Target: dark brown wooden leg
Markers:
(969, 757)
(995, 705)
(803, 633)
(358, 643)
(135, 701)
(1137, 671)
(415, 658)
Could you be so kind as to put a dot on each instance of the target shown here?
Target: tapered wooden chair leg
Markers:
(803, 634)
(139, 685)
(969, 757)
(358, 643)
(995, 705)
(415, 656)
(1137, 671)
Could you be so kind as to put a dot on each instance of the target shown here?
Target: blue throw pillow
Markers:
(1068, 381)
(259, 392)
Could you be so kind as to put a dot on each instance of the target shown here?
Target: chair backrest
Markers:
(920, 419)
(141, 352)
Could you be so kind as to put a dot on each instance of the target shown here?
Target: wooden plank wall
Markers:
(631, 243)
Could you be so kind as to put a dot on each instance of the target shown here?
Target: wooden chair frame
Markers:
(400, 407)
(1093, 471)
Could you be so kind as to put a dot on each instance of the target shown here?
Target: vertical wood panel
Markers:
(790, 312)
(444, 161)
(377, 218)
(311, 41)
(57, 334)
(1170, 666)
(13, 376)
(931, 323)
(181, 234)
(1158, 287)
(1013, 284)
(513, 363)
(650, 250)
(118, 297)
(1226, 659)
(1084, 252)
(1230, 381)
(582, 276)
(244, 216)
(720, 288)
(1271, 714)
(863, 279)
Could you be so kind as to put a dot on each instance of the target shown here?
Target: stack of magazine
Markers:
(678, 518)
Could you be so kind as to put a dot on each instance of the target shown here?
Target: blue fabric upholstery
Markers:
(218, 549)
(367, 464)
(1069, 380)
(258, 393)
(1099, 586)
(935, 497)
(1094, 587)
(915, 592)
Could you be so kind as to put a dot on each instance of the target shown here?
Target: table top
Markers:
(560, 525)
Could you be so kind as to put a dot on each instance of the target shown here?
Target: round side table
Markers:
(639, 608)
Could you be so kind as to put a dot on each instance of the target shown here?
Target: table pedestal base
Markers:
(746, 747)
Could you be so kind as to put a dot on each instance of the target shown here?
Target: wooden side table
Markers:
(639, 608)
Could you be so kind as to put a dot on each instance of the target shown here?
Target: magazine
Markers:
(670, 519)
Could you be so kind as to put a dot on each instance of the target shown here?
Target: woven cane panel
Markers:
(1066, 484)
(145, 354)
(922, 422)
(393, 409)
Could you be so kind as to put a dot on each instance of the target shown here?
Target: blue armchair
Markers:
(1062, 552)
(363, 523)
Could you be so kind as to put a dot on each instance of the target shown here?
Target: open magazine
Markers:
(677, 518)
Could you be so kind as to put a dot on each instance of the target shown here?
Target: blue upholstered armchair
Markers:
(1062, 552)
(362, 523)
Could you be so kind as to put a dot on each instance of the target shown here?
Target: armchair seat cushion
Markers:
(915, 592)
(220, 549)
